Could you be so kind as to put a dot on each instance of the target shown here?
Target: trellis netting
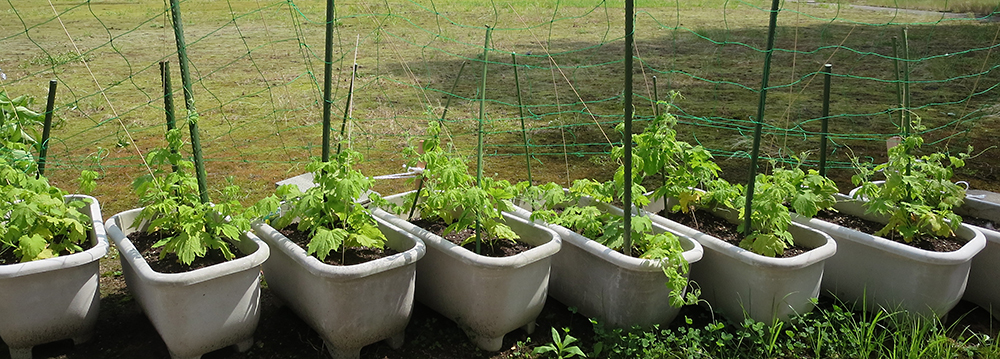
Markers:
(258, 75)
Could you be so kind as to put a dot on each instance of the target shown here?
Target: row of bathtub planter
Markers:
(218, 306)
(487, 297)
(738, 282)
(983, 289)
(619, 290)
(55, 298)
(854, 267)
(879, 272)
(198, 311)
(349, 306)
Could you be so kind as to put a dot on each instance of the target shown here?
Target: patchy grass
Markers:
(979, 7)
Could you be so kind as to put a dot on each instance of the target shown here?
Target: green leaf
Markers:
(326, 241)
(32, 247)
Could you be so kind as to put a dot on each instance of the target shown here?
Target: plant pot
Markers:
(740, 283)
(56, 298)
(349, 306)
(983, 288)
(619, 290)
(199, 311)
(488, 297)
(877, 272)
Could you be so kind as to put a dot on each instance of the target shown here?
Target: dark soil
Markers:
(929, 243)
(351, 255)
(144, 242)
(490, 248)
(7, 255)
(709, 223)
(984, 223)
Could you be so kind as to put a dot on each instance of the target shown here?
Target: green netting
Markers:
(258, 76)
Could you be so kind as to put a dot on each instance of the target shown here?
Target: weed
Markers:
(561, 347)
(53, 60)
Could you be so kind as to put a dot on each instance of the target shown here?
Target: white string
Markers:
(411, 173)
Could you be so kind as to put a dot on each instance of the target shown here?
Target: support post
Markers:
(50, 104)
(328, 79)
(347, 107)
(482, 114)
(192, 117)
(168, 99)
(899, 84)
(627, 140)
(656, 99)
(906, 84)
(755, 151)
(520, 109)
(827, 70)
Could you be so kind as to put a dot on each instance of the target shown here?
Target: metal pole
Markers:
(755, 151)
(656, 100)
(899, 83)
(199, 163)
(168, 99)
(347, 107)
(906, 83)
(328, 79)
(50, 105)
(520, 108)
(451, 94)
(627, 141)
(906, 98)
(482, 112)
(827, 69)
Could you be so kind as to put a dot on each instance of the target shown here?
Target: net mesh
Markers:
(257, 71)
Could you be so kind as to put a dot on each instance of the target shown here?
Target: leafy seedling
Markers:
(173, 207)
(330, 211)
(918, 194)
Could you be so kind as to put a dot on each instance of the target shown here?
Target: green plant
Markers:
(452, 195)
(553, 204)
(917, 194)
(173, 208)
(17, 134)
(829, 331)
(560, 347)
(682, 169)
(690, 176)
(329, 212)
(38, 223)
(806, 192)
